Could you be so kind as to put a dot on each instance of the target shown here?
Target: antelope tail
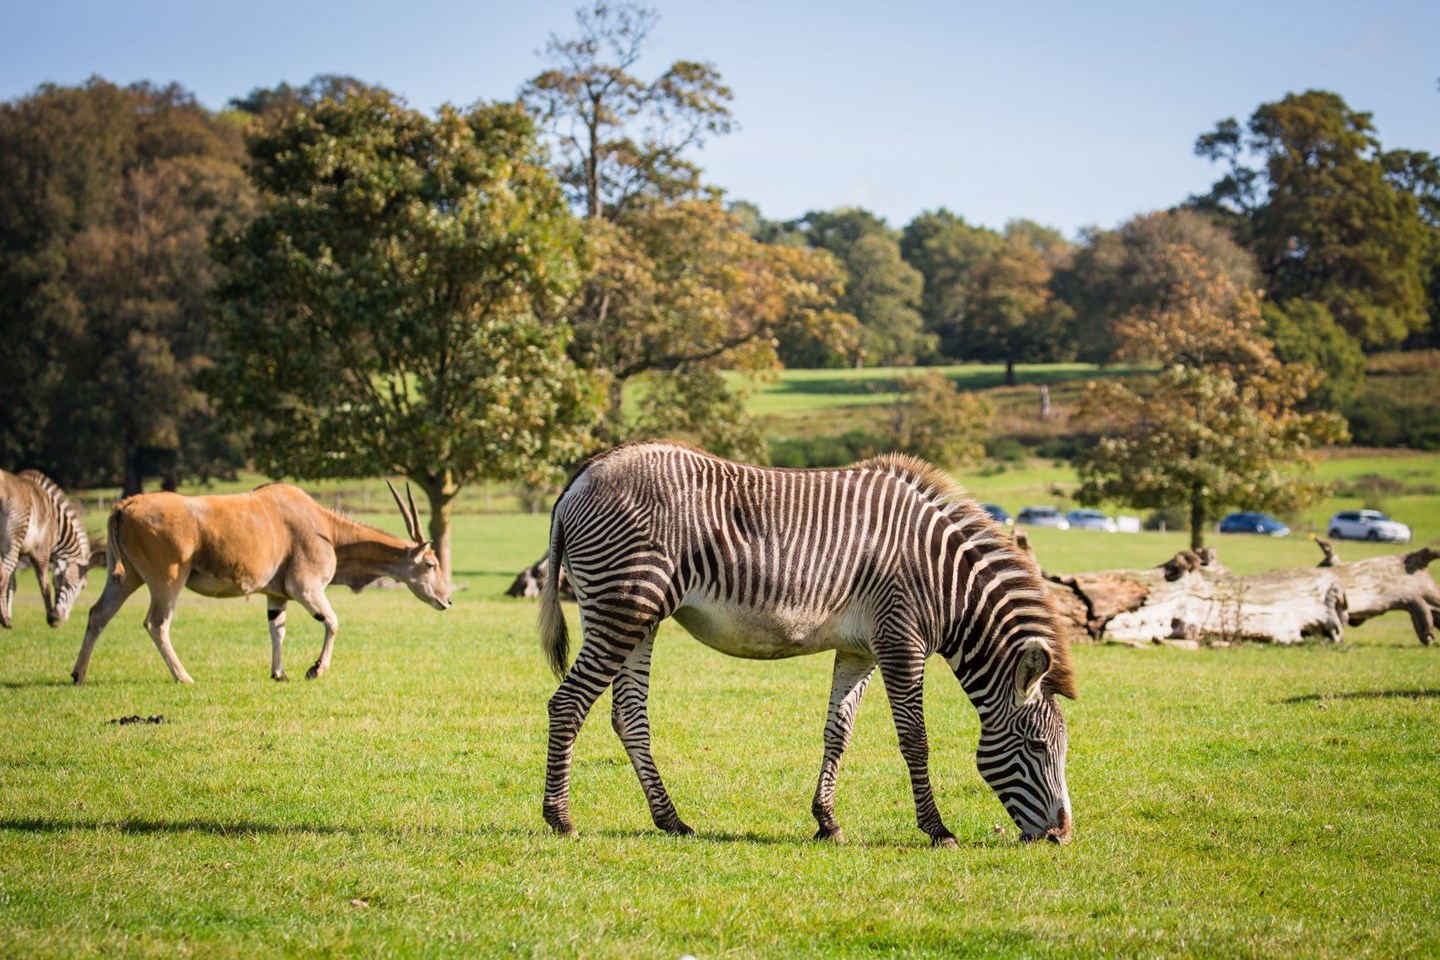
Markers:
(554, 633)
(114, 563)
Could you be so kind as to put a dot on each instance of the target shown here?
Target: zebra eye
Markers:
(1035, 743)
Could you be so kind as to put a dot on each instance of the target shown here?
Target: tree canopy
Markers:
(107, 195)
(393, 306)
(1331, 217)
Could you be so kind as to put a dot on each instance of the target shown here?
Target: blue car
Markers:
(1249, 521)
(997, 513)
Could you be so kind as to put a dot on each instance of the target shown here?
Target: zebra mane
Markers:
(945, 492)
(65, 511)
(930, 481)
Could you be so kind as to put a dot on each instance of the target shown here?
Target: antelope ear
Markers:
(1031, 667)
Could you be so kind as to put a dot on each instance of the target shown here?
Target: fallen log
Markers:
(1192, 600)
(1381, 584)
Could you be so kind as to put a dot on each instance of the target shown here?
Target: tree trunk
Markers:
(1197, 521)
(134, 480)
(1009, 372)
(440, 492)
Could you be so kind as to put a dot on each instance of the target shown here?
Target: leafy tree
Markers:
(1013, 316)
(935, 421)
(107, 195)
(391, 308)
(674, 284)
(1305, 332)
(1220, 427)
(882, 291)
(948, 252)
(620, 137)
(1314, 198)
(1115, 272)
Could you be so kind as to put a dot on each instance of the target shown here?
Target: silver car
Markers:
(1042, 517)
(1368, 525)
(1090, 520)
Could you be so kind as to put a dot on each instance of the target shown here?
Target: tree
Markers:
(1221, 426)
(1013, 317)
(1305, 332)
(618, 136)
(675, 289)
(882, 291)
(107, 196)
(936, 422)
(391, 308)
(948, 252)
(1309, 189)
(283, 98)
(1116, 272)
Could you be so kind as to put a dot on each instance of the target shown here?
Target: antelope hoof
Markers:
(75, 676)
(313, 673)
(279, 677)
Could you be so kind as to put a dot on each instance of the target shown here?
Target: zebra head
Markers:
(1022, 745)
(69, 574)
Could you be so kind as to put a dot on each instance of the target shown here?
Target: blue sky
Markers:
(1071, 114)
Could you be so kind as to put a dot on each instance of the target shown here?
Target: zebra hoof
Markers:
(830, 835)
(679, 829)
(946, 842)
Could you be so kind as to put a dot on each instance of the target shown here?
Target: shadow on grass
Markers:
(133, 825)
(1365, 695)
(30, 684)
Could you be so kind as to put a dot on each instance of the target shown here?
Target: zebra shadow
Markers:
(1364, 695)
(798, 841)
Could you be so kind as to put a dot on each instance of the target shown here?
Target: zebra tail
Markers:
(554, 633)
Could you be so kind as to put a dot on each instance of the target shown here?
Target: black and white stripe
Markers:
(885, 563)
(38, 523)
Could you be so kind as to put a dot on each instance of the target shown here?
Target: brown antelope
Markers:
(274, 540)
(38, 524)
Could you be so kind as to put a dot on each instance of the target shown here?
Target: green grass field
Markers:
(1251, 801)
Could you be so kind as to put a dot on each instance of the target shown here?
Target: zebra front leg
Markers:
(630, 716)
(275, 612)
(904, 675)
(847, 685)
(9, 565)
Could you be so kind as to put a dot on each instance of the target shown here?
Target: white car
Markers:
(1368, 525)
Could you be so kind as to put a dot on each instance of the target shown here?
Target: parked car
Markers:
(1250, 521)
(998, 514)
(1043, 517)
(1368, 525)
(1090, 520)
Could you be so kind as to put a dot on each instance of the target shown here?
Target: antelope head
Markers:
(420, 568)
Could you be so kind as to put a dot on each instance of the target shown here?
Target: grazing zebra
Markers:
(884, 562)
(39, 524)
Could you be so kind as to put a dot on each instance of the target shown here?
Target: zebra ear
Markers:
(96, 559)
(1031, 666)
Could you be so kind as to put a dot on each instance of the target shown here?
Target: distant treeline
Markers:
(125, 214)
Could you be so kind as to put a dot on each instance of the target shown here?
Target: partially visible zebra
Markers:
(39, 524)
(884, 562)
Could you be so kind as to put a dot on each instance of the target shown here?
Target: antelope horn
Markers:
(419, 533)
(410, 521)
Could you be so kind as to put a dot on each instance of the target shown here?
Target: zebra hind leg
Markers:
(597, 665)
(847, 685)
(903, 670)
(630, 716)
